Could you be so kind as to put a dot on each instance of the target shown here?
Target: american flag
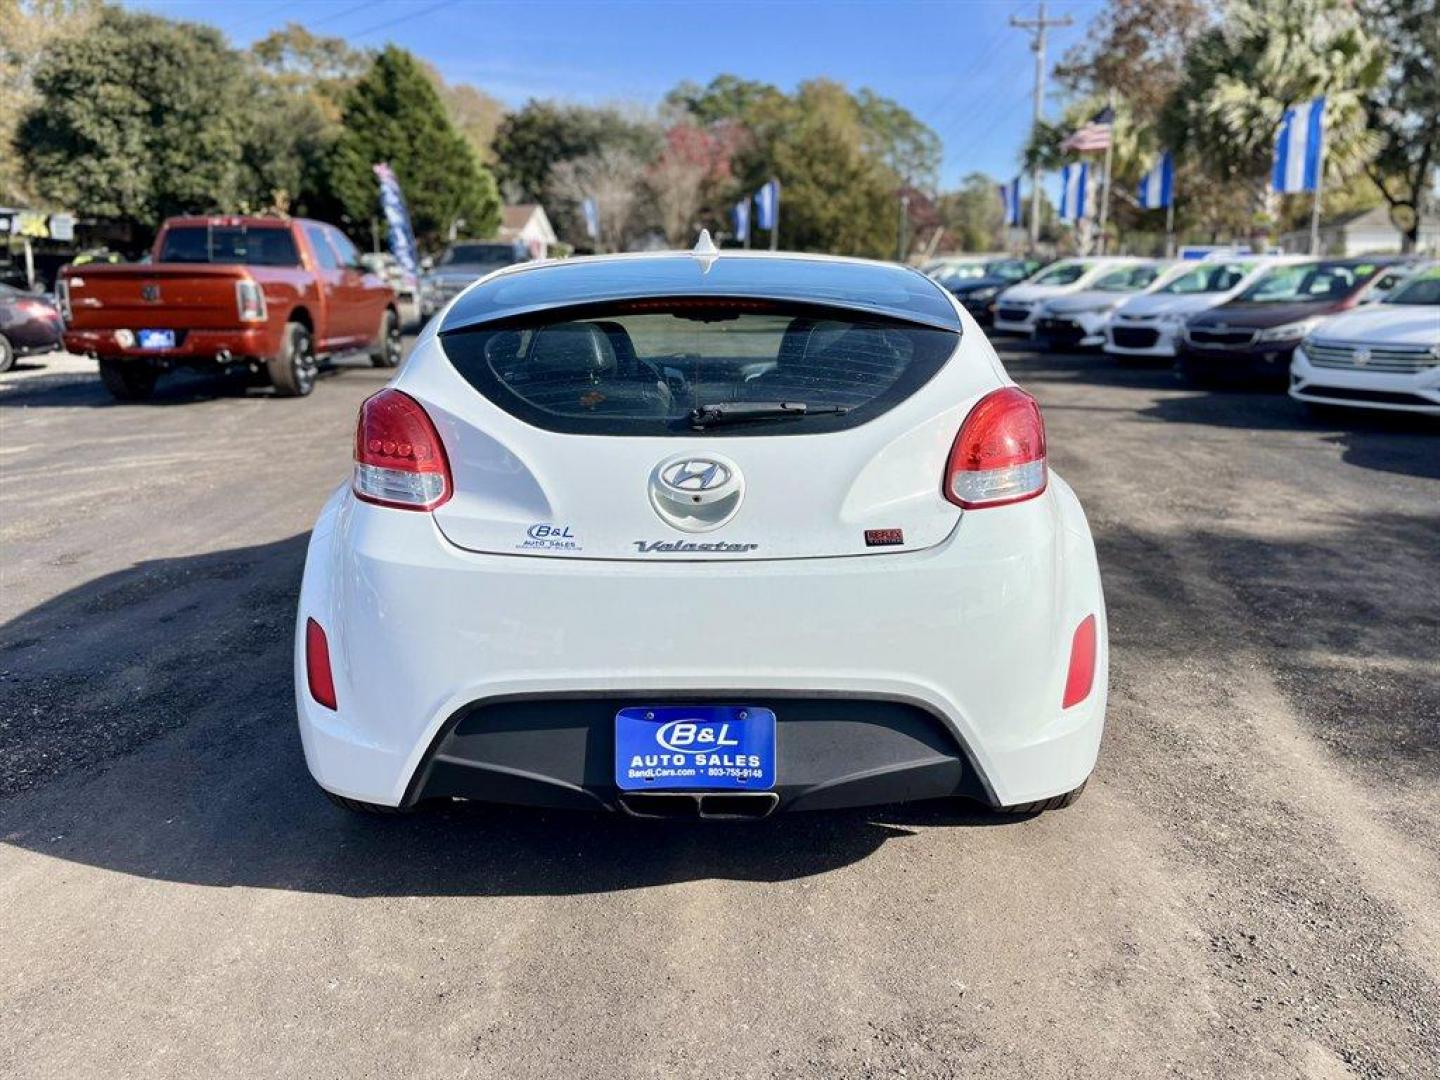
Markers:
(1093, 135)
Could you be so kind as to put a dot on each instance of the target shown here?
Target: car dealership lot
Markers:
(1250, 886)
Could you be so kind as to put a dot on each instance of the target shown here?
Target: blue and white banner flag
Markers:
(740, 216)
(397, 219)
(1073, 182)
(1010, 201)
(1298, 147)
(767, 204)
(1157, 187)
(591, 213)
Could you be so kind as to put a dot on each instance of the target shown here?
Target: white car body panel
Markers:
(428, 614)
(1390, 349)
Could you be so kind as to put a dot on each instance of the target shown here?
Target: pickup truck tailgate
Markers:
(169, 295)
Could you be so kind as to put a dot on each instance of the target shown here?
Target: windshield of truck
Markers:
(479, 254)
(230, 245)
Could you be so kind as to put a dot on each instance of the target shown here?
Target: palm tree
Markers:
(1264, 56)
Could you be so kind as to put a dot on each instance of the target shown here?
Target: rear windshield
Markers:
(230, 245)
(672, 366)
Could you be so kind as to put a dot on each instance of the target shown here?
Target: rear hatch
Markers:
(160, 295)
(700, 427)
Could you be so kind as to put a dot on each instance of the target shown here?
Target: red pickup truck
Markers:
(268, 294)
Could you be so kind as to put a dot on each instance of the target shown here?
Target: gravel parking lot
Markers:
(1249, 888)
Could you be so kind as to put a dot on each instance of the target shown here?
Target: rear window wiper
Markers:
(739, 412)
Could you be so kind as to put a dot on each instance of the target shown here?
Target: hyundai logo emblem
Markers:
(695, 474)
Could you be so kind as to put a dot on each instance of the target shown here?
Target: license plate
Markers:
(695, 747)
(156, 339)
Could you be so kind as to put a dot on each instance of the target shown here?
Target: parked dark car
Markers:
(29, 325)
(1250, 338)
(461, 264)
(976, 284)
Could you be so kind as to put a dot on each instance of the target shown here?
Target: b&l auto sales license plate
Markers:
(156, 339)
(695, 748)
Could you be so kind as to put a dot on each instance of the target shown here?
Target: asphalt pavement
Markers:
(1250, 886)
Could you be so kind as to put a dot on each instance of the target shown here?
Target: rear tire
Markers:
(292, 373)
(1058, 802)
(128, 380)
(7, 354)
(386, 353)
(355, 806)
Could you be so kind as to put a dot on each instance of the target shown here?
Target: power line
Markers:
(400, 18)
(1038, 28)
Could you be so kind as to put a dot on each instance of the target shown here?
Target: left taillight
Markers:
(249, 301)
(399, 459)
(998, 456)
(317, 665)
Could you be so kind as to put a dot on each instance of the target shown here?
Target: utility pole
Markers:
(902, 240)
(1038, 27)
(1105, 190)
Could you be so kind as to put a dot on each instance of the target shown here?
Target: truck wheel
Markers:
(128, 380)
(292, 373)
(386, 352)
(7, 354)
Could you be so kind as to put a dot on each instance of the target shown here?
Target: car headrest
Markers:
(578, 350)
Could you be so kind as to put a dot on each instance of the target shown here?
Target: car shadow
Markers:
(1393, 442)
(147, 727)
(184, 386)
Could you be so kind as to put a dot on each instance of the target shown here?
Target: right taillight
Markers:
(999, 454)
(249, 301)
(399, 460)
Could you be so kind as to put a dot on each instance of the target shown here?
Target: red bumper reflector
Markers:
(317, 665)
(1081, 677)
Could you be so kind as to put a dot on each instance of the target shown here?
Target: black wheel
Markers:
(292, 373)
(386, 352)
(1058, 802)
(7, 354)
(355, 806)
(128, 380)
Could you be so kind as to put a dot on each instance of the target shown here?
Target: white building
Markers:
(528, 225)
(1363, 232)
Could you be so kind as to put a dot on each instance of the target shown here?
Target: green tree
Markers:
(28, 31)
(392, 114)
(1405, 108)
(138, 118)
(1266, 55)
(303, 64)
(835, 196)
(475, 114)
(532, 141)
(972, 214)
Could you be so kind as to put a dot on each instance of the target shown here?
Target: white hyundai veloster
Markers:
(707, 535)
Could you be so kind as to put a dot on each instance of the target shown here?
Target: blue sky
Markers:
(956, 64)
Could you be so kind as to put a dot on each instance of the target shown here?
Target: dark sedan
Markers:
(29, 324)
(1251, 337)
(976, 283)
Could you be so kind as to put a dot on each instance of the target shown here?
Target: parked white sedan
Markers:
(704, 535)
(1017, 308)
(1078, 320)
(1381, 356)
(1150, 325)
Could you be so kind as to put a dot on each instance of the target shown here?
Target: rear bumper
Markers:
(945, 667)
(190, 345)
(1418, 392)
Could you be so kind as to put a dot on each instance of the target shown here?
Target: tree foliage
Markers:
(393, 114)
(531, 142)
(138, 118)
(1405, 107)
